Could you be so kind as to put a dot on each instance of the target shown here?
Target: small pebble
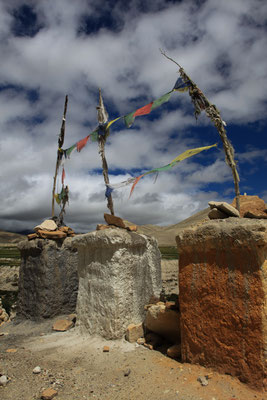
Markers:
(203, 380)
(36, 370)
(3, 380)
(127, 372)
(106, 349)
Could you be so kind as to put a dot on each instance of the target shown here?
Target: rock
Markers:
(203, 380)
(225, 208)
(32, 236)
(72, 317)
(45, 234)
(174, 351)
(48, 394)
(253, 204)
(141, 341)
(127, 372)
(256, 215)
(106, 349)
(118, 272)
(48, 278)
(163, 321)
(37, 370)
(3, 380)
(48, 225)
(149, 346)
(223, 287)
(170, 305)
(217, 214)
(134, 332)
(11, 350)
(132, 228)
(113, 220)
(153, 339)
(62, 325)
(101, 227)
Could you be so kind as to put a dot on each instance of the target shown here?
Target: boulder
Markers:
(252, 204)
(164, 321)
(118, 273)
(225, 208)
(223, 297)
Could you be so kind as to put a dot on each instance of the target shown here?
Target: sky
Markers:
(52, 48)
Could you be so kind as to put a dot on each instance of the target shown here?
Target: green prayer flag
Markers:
(70, 149)
(161, 100)
(94, 136)
(129, 119)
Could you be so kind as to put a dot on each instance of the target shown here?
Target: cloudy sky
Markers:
(51, 48)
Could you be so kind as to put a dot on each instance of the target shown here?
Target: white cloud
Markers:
(220, 44)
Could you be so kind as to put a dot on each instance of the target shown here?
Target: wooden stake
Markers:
(102, 117)
(214, 114)
(60, 144)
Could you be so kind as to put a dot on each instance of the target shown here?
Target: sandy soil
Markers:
(76, 366)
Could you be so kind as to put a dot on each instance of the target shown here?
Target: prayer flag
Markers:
(163, 99)
(63, 176)
(180, 85)
(81, 144)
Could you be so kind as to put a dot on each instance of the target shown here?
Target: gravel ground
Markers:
(77, 368)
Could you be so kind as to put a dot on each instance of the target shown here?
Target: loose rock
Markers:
(106, 349)
(217, 214)
(203, 380)
(134, 332)
(3, 380)
(49, 394)
(62, 325)
(113, 220)
(36, 370)
(225, 208)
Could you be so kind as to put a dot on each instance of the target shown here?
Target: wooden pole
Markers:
(60, 144)
(102, 117)
(213, 113)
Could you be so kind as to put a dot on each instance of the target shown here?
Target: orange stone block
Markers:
(223, 297)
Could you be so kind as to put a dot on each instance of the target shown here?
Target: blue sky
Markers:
(52, 48)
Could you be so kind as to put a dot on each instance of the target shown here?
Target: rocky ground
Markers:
(76, 368)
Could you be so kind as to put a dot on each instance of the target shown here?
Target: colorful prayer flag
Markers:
(180, 85)
(63, 176)
(81, 144)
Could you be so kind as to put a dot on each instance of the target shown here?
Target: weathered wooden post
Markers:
(59, 153)
(102, 116)
(201, 102)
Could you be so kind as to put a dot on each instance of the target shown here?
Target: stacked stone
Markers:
(49, 230)
(115, 222)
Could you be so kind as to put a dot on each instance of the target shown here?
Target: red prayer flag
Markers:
(63, 176)
(143, 110)
(80, 145)
(135, 183)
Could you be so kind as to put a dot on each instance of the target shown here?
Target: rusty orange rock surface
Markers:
(223, 297)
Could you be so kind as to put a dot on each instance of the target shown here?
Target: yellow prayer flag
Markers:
(190, 153)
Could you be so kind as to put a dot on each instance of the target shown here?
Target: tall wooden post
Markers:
(213, 113)
(102, 117)
(60, 144)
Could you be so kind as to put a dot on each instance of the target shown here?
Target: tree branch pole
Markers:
(213, 113)
(102, 117)
(60, 144)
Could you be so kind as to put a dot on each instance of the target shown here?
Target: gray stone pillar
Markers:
(118, 273)
(48, 281)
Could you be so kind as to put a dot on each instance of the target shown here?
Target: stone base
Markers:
(223, 297)
(118, 273)
(48, 279)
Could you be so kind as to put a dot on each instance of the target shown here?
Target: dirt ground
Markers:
(77, 368)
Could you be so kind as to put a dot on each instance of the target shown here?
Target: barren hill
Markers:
(166, 234)
(10, 237)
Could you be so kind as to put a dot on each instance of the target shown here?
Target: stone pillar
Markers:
(223, 297)
(48, 281)
(118, 273)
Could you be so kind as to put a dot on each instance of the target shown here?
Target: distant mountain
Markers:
(166, 234)
(10, 237)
